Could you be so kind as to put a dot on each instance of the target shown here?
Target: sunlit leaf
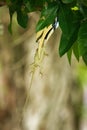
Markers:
(48, 16)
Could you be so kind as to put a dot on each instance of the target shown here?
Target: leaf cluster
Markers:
(72, 17)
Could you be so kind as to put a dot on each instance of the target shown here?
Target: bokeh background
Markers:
(57, 98)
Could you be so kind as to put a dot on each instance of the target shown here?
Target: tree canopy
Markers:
(71, 15)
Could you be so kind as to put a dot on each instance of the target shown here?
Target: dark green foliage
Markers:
(82, 40)
(72, 17)
(22, 18)
(69, 24)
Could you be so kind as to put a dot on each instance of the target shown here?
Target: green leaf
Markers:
(40, 25)
(66, 42)
(82, 39)
(48, 16)
(69, 23)
(22, 18)
(68, 18)
(69, 54)
(65, 18)
(11, 12)
(10, 27)
(10, 24)
(75, 50)
(85, 58)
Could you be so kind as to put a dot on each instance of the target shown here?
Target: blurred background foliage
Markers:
(58, 99)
